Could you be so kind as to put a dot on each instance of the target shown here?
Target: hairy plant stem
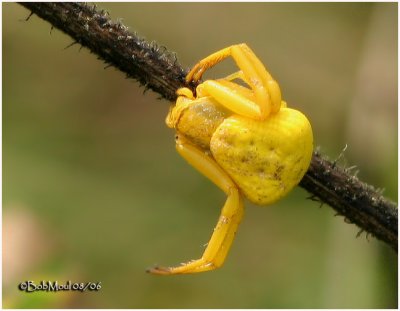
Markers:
(158, 69)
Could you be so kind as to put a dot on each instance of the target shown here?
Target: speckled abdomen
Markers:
(266, 159)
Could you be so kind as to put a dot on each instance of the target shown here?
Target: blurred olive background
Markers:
(93, 189)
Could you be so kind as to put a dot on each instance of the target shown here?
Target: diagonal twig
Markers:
(158, 69)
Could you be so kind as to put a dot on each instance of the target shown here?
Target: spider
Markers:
(243, 138)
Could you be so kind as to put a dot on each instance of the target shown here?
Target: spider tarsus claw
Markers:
(158, 270)
(195, 74)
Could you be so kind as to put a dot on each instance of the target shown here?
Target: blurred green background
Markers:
(93, 189)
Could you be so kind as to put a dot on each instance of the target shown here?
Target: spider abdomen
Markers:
(266, 159)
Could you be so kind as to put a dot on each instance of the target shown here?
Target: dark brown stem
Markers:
(358, 202)
(154, 67)
(158, 70)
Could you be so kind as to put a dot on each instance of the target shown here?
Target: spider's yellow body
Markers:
(244, 139)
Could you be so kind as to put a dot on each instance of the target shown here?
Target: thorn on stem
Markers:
(69, 45)
(27, 19)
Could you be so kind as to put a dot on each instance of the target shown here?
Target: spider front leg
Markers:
(267, 94)
(231, 215)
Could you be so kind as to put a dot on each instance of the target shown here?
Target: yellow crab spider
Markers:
(243, 138)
